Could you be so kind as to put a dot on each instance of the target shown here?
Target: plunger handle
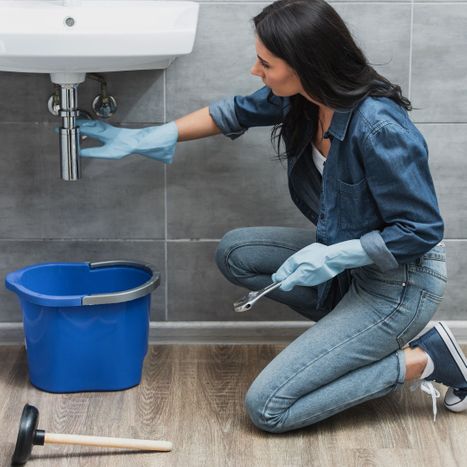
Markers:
(107, 442)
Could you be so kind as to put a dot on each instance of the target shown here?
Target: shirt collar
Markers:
(339, 124)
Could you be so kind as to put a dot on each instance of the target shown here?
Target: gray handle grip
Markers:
(126, 295)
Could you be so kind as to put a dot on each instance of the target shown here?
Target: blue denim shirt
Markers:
(376, 184)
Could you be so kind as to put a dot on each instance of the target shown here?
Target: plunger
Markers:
(29, 435)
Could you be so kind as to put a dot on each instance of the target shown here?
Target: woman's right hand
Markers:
(156, 142)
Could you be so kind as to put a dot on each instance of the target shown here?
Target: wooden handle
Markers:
(104, 441)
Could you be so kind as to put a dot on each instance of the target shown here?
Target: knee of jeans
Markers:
(255, 404)
(226, 245)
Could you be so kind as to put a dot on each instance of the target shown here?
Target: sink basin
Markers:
(72, 37)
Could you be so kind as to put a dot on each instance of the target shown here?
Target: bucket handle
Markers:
(126, 295)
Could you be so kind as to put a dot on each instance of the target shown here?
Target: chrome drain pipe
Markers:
(69, 132)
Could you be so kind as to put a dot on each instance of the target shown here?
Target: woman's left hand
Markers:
(317, 263)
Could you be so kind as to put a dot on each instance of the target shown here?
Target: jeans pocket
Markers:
(434, 262)
(434, 267)
(426, 308)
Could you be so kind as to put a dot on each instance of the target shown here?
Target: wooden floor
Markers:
(193, 395)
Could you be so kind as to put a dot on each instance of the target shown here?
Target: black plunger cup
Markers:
(28, 435)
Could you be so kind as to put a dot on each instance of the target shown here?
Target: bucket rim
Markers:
(12, 283)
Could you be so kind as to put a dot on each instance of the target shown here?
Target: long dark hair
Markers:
(313, 39)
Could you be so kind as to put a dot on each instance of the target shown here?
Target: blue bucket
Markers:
(86, 325)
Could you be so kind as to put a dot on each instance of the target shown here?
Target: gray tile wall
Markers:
(174, 216)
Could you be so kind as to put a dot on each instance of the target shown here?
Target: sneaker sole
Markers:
(453, 346)
(453, 402)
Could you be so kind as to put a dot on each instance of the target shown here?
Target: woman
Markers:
(373, 272)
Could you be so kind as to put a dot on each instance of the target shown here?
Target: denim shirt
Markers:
(376, 184)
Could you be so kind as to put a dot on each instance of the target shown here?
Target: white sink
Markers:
(72, 37)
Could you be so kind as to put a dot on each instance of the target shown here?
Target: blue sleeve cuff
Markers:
(375, 247)
(224, 116)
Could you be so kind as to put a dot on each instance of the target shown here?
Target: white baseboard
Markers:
(221, 332)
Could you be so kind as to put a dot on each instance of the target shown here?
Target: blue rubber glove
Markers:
(156, 142)
(317, 263)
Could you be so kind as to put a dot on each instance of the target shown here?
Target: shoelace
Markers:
(427, 386)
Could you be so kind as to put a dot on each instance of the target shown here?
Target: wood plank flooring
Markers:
(193, 395)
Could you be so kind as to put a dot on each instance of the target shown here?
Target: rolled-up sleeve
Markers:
(234, 115)
(398, 176)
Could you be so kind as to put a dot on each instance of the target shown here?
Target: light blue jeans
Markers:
(353, 352)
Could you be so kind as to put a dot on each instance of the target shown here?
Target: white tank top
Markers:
(318, 159)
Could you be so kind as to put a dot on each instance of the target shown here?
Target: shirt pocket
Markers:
(355, 205)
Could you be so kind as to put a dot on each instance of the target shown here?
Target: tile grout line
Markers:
(155, 122)
(169, 240)
(411, 48)
(42, 239)
(166, 293)
(347, 2)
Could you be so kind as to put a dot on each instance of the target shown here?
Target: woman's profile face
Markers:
(275, 72)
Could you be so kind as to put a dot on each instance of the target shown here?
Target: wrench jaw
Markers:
(245, 303)
(240, 308)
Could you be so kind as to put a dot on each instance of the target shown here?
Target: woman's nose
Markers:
(255, 71)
